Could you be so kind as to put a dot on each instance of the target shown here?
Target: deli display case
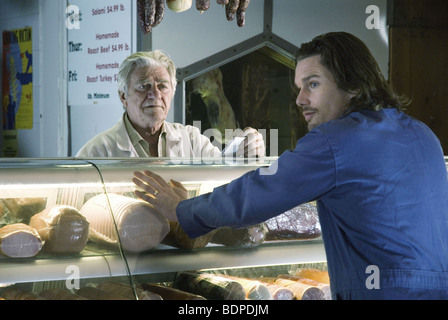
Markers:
(72, 227)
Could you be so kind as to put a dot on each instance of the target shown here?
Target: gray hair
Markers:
(154, 58)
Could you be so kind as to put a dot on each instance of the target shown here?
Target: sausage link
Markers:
(202, 5)
(150, 12)
(241, 12)
(160, 12)
(231, 8)
(142, 15)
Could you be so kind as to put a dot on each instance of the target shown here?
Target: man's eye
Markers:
(313, 84)
(142, 87)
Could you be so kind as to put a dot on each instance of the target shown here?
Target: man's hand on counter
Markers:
(163, 196)
(253, 144)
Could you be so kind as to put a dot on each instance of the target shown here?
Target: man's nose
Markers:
(153, 92)
(302, 98)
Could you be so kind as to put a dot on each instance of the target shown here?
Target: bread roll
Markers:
(63, 228)
(19, 240)
(140, 226)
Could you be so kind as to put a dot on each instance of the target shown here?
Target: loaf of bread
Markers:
(63, 228)
(242, 237)
(301, 291)
(210, 286)
(301, 222)
(314, 274)
(60, 294)
(139, 225)
(126, 291)
(179, 239)
(170, 293)
(19, 240)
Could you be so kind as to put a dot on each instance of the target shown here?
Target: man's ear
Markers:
(122, 96)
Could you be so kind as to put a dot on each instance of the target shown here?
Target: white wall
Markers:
(187, 37)
(190, 36)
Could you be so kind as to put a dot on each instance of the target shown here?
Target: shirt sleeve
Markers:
(298, 176)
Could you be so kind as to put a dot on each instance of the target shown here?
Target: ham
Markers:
(19, 240)
(140, 227)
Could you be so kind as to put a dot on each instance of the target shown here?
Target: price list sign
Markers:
(99, 39)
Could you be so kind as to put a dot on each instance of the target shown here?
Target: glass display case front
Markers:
(73, 229)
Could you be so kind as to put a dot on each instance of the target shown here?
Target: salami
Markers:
(301, 291)
(244, 237)
(255, 290)
(60, 294)
(231, 9)
(202, 5)
(323, 286)
(169, 293)
(93, 293)
(17, 294)
(210, 286)
(301, 222)
(241, 12)
(160, 12)
(126, 291)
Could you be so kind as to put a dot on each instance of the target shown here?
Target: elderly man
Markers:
(146, 86)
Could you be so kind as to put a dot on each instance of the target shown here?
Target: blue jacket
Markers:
(381, 186)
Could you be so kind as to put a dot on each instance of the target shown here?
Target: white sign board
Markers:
(99, 39)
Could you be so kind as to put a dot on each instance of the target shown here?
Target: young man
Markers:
(378, 176)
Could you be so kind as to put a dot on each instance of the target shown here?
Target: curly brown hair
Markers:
(354, 69)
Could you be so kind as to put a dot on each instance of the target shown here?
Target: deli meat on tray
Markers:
(301, 222)
(140, 226)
